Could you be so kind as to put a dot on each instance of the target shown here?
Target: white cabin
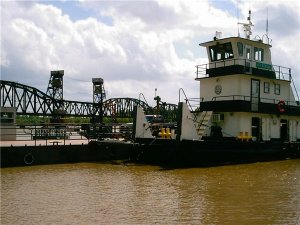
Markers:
(247, 95)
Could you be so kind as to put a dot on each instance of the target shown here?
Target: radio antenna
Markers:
(238, 18)
(267, 23)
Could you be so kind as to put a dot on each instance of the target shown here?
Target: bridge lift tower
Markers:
(55, 90)
(98, 98)
(55, 85)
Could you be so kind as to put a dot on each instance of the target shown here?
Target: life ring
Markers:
(281, 106)
(28, 159)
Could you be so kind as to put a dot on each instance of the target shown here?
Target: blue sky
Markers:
(227, 6)
(135, 46)
(77, 11)
(73, 9)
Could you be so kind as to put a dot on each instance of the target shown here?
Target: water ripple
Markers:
(260, 193)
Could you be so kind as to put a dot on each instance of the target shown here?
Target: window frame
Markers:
(222, 51)
(240, 48)
(277, 89)
(258, 54)
(267, 87)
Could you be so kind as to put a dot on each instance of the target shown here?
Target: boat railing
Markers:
(195, 103)
(186, 99)
(295, 91)
(276, 101)
(232, 98)
(248, 98)
(281, 72)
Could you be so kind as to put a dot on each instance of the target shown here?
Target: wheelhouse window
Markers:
(248, 53)
(240, 48)
(221, 51)
(277, 89)
(258, 54)
(266, 87)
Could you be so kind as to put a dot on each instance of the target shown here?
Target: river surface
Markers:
(94, 193)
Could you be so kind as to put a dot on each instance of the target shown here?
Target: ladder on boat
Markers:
(203, 121)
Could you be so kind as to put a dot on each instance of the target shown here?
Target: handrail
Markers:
(200, 123)
(195, 106)
(248, 98)
(280, 71)
(141, 94)
(294, 86)
(186, 99)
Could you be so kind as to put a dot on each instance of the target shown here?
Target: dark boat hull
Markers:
(95, 151)
(198, 153)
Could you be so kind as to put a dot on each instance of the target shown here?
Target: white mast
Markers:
(247, 26)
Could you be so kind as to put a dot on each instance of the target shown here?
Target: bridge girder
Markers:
(31, 101)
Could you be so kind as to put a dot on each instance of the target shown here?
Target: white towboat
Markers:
(249, 109)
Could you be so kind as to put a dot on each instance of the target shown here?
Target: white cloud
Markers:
(4, 59)
(148, 45)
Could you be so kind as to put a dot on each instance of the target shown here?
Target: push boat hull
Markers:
(200, 153)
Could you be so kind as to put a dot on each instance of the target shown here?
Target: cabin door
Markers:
(284, 130)
(256, 128)
(255, 94)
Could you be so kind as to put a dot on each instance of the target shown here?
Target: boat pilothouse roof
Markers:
(238, 65)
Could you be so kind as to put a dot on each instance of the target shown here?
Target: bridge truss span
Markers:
(31, 101)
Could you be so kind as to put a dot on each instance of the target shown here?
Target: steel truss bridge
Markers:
(31, 101)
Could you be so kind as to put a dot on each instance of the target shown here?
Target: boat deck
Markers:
(44, 142)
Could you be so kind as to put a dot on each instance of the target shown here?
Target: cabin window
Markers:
(277, 89)
(240, 48)
(221, 52)
(258, 54)
(266, 87)
(248, 53)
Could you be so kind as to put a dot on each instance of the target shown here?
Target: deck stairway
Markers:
(203, 121)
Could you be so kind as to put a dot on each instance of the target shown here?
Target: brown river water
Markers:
(94, 193)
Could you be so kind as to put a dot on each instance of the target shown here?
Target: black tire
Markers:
(28, 159)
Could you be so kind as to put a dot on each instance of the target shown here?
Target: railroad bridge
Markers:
(30, 101)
